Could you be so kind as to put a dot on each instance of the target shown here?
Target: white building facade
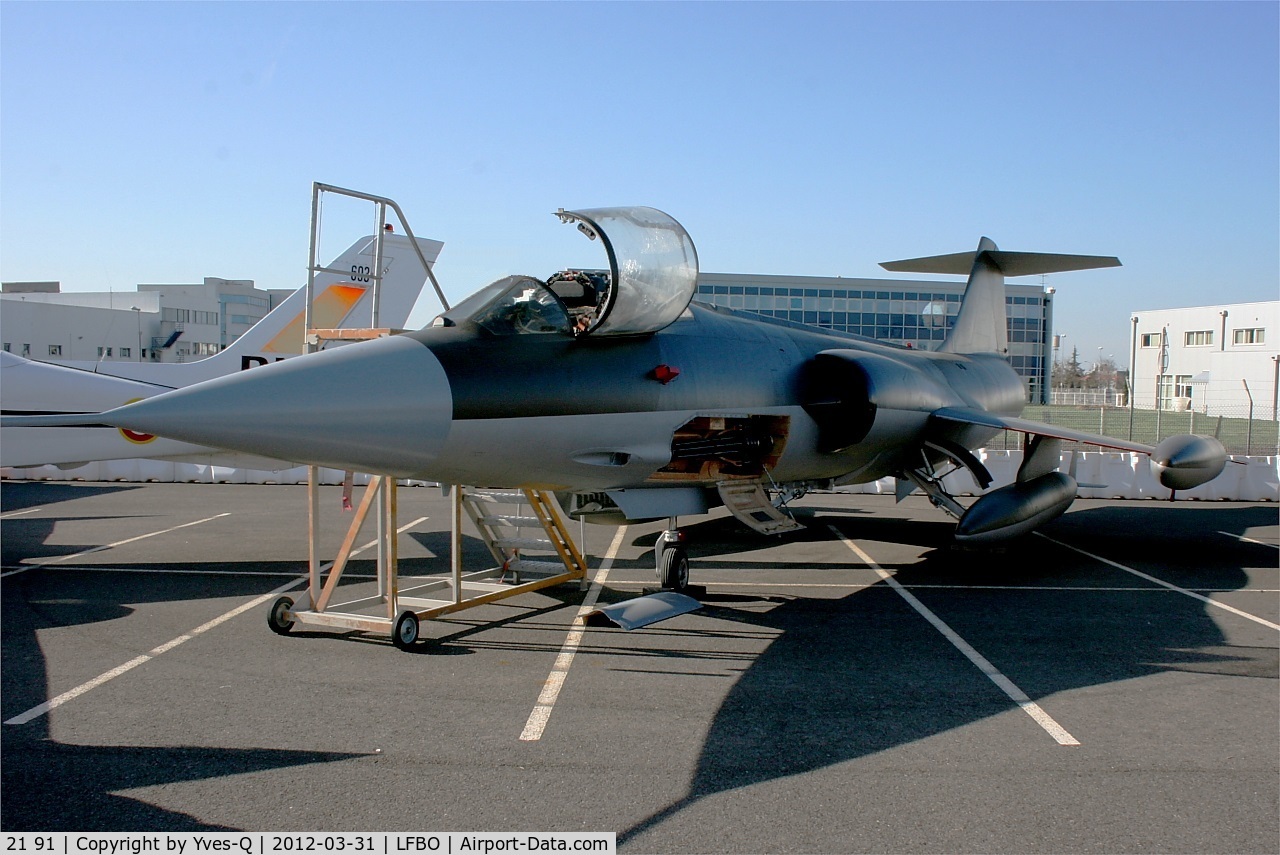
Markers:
(1221, 360)
(156, 323)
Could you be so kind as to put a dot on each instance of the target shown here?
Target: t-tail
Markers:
(982, 325)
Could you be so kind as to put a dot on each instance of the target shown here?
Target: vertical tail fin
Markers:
(982, 325)
(340, 301)
(343, 302)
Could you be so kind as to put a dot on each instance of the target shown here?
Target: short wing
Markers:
(1179, 462)
(963, 415)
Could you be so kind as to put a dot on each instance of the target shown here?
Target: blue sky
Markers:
(166, 142)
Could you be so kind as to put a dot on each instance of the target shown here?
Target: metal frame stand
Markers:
(397, 610)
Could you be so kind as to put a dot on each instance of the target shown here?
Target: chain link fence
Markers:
(1239, 434)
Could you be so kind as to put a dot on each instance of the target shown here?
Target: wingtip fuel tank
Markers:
(1187, 461)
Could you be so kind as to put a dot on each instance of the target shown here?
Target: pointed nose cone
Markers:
(382, 407)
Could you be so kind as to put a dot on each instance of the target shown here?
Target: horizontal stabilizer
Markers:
(53, 420)
(1010, 263)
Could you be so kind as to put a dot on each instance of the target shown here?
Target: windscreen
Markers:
(522, 305)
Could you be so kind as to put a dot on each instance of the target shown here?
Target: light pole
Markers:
(1057, 358)
(1275, 386)
(1046, 342)
(1133, 359)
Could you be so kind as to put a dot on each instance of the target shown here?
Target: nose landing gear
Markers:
(671, 562)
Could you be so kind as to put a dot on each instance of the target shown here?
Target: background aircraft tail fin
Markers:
(341, 300)
(981, 325)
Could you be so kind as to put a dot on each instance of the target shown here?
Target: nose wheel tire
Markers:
(673, 569)
(405, 632)
(277, 618)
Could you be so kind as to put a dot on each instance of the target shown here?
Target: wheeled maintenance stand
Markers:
(399, 611)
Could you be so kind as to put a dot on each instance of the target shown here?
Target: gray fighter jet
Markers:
(617, 391)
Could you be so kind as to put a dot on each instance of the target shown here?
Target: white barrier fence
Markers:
(1127, 476)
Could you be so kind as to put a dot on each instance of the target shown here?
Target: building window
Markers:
(1150, 339)
(125, 352)
(8, 348)
(1253, 336)
(104, 351)
(54, 350)
(1172, 388)
(1198, 338)
(26, 350)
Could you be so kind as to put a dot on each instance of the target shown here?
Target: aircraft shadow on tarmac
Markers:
(849, 677)
(53, 493)
(58, 787)
(50, 786)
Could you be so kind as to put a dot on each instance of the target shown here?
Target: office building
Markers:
(917, 313)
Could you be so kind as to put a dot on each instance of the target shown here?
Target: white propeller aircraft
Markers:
(29, 387)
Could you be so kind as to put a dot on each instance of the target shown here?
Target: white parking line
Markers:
(19, 513)
(41, 562)
(1019, 697)
(1249, 539)
(1164, 584)
(859, 586)
(541, 713)
(169, 571)
(41, 709)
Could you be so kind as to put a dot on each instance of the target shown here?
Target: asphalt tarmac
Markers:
(859, 686)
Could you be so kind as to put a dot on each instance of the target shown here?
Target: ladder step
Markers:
(503, 498)
(526, 567)
(518, 522)
(522, 543)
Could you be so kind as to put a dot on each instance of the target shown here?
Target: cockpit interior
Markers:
(650, 280)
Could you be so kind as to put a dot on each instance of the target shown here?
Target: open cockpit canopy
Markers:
(651, 278)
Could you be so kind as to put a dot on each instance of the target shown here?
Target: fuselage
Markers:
(598, 413)
(714, 396)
